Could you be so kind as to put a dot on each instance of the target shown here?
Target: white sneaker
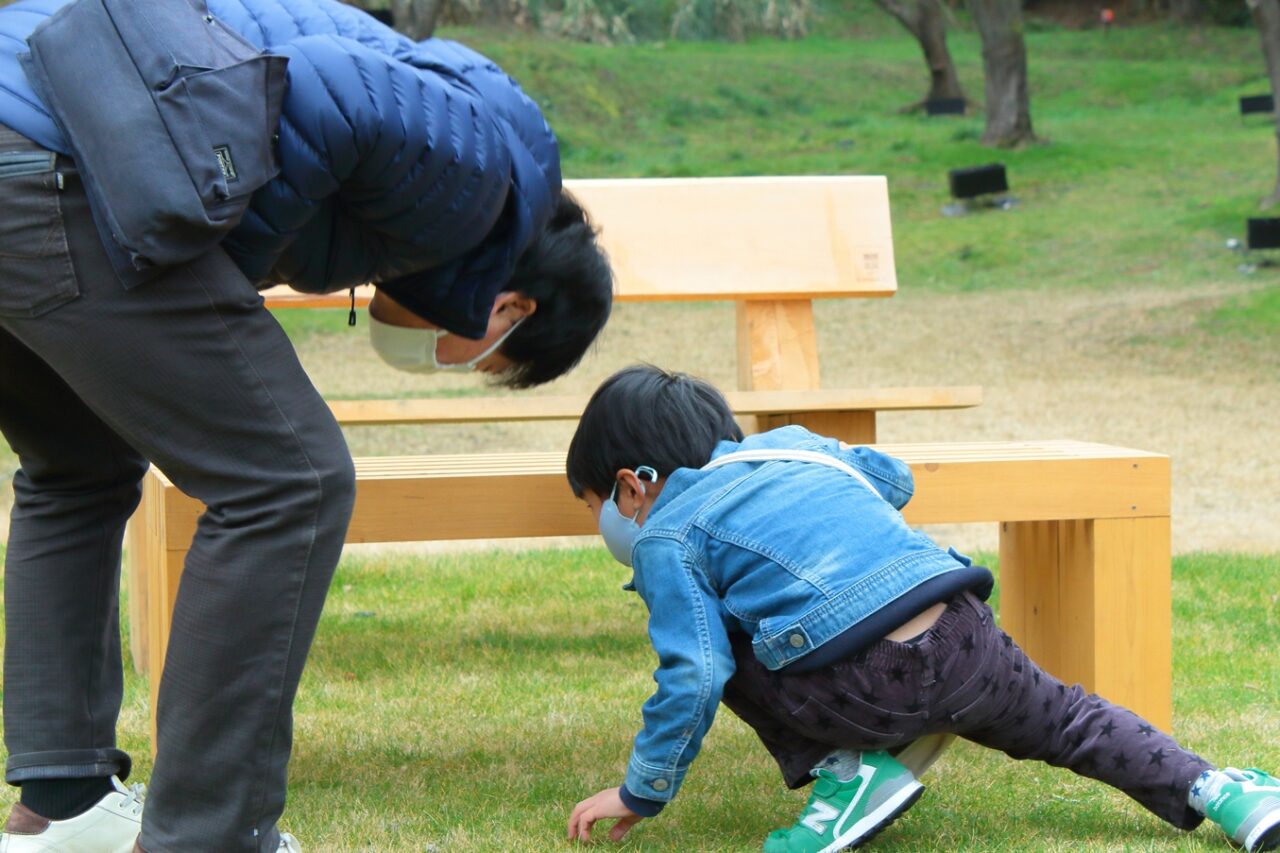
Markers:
(111, 826)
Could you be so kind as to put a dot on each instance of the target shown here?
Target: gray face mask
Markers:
(414, 350)
(618, 531)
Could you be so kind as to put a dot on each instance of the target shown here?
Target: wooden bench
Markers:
(771, 245)
(1084, 541)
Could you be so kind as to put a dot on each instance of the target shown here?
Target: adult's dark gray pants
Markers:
(188, 371)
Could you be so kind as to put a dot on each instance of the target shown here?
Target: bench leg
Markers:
(144, 547)
(164, 570)
(850, 427)
(135, 561)
(1091, 601)
(777, 346)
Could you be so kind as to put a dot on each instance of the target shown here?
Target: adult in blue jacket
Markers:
(418, 166)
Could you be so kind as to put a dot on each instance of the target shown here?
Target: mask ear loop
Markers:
(470, 364)
(644, 472)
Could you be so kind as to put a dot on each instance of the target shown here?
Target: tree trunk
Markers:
(1187, 11)
(1004, 64)
(1266, 14)
(923, 19)
(417, 18)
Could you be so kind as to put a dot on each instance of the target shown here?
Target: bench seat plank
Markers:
(486, 496)
(452, 410)
(1085, 541)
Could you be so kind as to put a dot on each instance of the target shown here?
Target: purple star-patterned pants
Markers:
(966, 676)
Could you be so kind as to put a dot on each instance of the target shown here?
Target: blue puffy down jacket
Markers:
(421, 166)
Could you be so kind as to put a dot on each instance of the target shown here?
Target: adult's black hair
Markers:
(644, 415)
(568, 274)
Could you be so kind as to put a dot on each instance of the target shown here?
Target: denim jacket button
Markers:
(797, 640)
(660, 784)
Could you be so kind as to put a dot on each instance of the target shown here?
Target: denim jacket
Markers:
(793, 554)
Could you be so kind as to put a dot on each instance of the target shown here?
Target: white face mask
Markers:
(414, 350)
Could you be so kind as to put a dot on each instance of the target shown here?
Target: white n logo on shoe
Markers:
(818, 817)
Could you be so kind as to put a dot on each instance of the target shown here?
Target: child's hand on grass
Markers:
(605, 804)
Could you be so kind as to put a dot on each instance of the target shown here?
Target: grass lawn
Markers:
(466, 702)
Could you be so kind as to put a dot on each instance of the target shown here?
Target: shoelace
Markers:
(133, 800)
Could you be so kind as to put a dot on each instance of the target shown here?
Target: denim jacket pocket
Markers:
(36, 275)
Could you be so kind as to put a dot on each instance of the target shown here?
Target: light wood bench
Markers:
(1084, 541)
(771, 245)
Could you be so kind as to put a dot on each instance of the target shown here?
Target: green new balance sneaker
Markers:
(1246, 804)
(841, 815)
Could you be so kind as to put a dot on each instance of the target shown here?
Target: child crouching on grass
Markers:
(782, 580)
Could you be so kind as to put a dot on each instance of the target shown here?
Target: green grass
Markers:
(303, 324)
(466, 702)
(1255, 316)
(494, 690)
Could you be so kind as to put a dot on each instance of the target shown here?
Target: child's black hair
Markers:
(644, 415)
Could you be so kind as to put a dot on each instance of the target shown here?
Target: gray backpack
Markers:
(170, 115)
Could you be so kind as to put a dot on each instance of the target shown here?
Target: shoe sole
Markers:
(871, 825)
(1266, 838)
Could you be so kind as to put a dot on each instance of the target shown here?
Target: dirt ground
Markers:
(1124, 367)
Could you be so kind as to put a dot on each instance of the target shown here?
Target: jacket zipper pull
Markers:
(351, 318)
